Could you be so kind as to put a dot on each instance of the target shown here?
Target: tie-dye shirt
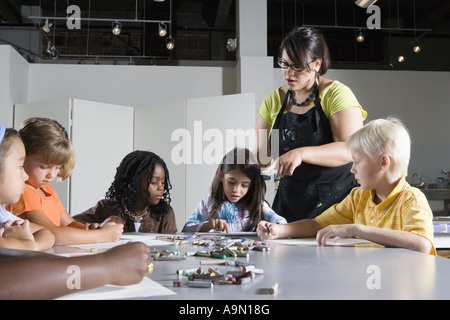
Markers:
(236, 218)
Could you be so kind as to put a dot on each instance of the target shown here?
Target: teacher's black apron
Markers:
(312, 188)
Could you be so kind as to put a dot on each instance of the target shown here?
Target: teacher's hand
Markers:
(286, 163)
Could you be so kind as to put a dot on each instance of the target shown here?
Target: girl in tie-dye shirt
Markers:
(236, 202)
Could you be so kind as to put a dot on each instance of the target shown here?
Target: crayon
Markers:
(186, 272)
(200, 284)
(206, 262)
(218, 255)
(273, 288)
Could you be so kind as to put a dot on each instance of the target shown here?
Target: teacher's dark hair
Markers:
(304, 45)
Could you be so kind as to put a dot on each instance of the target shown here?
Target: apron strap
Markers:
(280, 113)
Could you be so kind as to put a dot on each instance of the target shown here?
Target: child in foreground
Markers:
(148, 209)
(385, 209)
(49, 154)
(236, 202)
(36, 275)
(16, 233)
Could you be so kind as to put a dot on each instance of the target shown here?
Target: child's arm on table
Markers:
(47, 279)
(385, 237)
(111, 232)
(298, 229)
(17, 235)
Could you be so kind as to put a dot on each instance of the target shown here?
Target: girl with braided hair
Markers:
(139, 195)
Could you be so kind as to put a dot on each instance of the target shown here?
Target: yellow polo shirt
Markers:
(406, 208)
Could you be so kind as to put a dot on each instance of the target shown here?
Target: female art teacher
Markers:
(314, 116)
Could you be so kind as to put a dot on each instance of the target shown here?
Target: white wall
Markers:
(126, 85)
(13, 82)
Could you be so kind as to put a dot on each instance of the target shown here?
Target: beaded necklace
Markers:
(137, 219)
(307, 99)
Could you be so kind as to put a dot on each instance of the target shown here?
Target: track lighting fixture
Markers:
(51, 50)
(416, 48)
(170, 43)
(360, 36)
(401, 58)
(231, 45)
(162, 29)
(116, 28)
(46, 27)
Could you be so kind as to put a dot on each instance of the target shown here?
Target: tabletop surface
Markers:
(301, 269)
(312, 272)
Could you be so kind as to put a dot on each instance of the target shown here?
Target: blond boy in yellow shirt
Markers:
(385, 209)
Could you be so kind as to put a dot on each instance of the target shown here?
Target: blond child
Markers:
(385, 209)
(49, 154)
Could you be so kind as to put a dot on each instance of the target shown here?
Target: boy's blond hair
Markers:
(384, 136)
(47, 140)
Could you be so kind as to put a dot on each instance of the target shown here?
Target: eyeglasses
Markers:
(284, 65)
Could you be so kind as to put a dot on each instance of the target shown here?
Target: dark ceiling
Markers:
(201, 29)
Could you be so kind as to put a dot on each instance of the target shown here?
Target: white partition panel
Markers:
(102, 135)
(216, 125)
(191, 137)
(154, 126)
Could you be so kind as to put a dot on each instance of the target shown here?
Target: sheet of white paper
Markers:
(147, 238)
(313, 242)
(98, 246)
(146, 288)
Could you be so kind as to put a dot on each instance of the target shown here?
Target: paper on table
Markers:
(98, 246)
(330, 242)
(146, 288)
(148, 239)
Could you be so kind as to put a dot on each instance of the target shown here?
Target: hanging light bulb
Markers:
(416, 48)
(401, 58)
(116, 28)
(170, 43)
(162, 30)
(360, 36)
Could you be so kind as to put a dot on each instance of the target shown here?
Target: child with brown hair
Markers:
(236, 202)
(49, 154)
